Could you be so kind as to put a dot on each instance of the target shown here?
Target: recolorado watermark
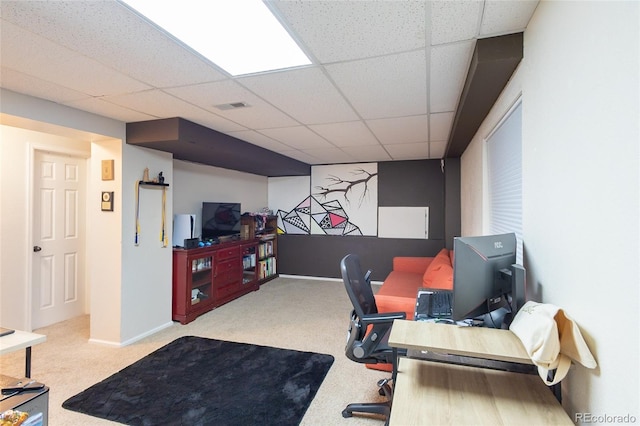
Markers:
(604, 418)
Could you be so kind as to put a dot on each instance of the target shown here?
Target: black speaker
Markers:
(190, 243)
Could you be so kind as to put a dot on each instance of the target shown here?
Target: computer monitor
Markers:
(486, 277)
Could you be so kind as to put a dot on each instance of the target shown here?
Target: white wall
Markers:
(147, 267)
(130, 286)
(581, 186)
(195, 183)
(15, 221)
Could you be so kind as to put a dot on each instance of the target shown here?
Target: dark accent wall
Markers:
(400, 183)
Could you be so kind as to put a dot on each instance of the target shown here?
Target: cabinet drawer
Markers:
(228, 289)
(227, 253)
(227, 277)
(226, 266)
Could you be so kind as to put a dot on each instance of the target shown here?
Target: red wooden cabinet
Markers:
(207, 277)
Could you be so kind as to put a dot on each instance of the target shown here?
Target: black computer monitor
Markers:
(486, 277)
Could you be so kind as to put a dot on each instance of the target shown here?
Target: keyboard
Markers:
(440, 304)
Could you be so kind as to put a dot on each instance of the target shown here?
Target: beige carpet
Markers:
(307, 315)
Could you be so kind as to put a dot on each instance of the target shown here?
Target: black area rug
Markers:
(198, 381)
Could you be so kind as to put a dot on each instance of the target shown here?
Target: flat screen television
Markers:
(220, 219)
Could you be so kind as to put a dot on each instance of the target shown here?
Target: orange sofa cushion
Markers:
(398, 293)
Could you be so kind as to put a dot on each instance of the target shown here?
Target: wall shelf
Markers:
(141, 182)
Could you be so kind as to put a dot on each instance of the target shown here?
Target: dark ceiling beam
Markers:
(492, 65)
(192, 142)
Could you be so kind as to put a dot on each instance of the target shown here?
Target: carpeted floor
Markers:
(298, 314)
(208, 381)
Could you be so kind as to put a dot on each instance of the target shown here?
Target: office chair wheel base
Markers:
(346, 414)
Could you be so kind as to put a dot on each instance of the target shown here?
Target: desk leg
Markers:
(395, 366)
(27, 365)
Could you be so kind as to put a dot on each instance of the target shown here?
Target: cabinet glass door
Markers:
(200, 279)
(248, 264)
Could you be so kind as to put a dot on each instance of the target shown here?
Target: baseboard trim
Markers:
(307, 277)
(133, 339)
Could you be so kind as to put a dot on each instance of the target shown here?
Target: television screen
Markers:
(220, 219)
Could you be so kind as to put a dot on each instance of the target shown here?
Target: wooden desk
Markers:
(440, 393)
(479, 342)
(21, 340)
(444, 394)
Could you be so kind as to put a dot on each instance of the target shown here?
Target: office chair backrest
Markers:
(358, 287)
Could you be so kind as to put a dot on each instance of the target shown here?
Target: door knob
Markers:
(36, 249)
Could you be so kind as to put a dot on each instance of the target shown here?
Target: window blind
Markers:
(504, 166)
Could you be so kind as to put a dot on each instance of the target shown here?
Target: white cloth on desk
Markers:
(552, 339)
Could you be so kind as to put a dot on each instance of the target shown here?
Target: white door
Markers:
(58, 275)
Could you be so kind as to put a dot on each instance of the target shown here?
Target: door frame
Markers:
(33, 147)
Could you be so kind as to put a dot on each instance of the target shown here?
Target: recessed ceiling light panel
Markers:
(240, 36)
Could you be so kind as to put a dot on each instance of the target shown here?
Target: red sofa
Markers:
(398, 291)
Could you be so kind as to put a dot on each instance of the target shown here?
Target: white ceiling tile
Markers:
(305, 94)
(368, 153)
(101, 57)
(408, 151)
(260, 140)
(329, 155)
(301, 156)
(400, 130)
(163, 105)
(258, 114)
(150, 55)
(437, 149)
(29, 85)
(454, 20)
(346, 30)
(353, 133)
(449, 67)
(297, 137)
(501, 17)
(33, 55)
(389, 86)
(440, 126)
(101, 107)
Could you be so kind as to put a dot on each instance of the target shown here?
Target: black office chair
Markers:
(368, 333)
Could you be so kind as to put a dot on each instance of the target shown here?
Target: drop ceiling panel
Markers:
(370, 64)
(150, 55)
(503, 17)
(297, 137)
(440, 126)
(354, 133)
(329, 155)
(301, 156)
(453, 21)
(408, 151)
(257, 115)
(449, 65)
(437, 149)
(260, 140)
(346, 30)
(400, 130)
(388, 86)
(161, 104)
(306, 94)
(368, 153)
(101, 107)
(33, 55)
(29, 85)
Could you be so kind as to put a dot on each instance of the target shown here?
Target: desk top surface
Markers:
(445, 394)
(480, 342)
(19, 340)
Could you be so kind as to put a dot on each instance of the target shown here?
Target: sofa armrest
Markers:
(411, 264)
